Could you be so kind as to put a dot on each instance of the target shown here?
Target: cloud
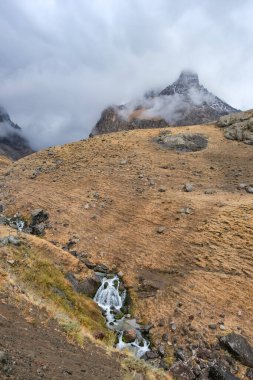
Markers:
(63, 61)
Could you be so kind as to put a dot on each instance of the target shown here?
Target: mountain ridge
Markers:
(184, 102)
(13, 144)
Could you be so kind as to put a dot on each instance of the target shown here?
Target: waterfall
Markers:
(110, 297)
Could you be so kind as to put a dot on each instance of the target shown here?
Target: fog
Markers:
(63, 61)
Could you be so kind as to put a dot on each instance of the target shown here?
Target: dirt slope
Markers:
(115, 191)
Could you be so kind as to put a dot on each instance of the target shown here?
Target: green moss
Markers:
(48, 281)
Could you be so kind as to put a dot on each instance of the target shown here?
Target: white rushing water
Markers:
(111, 298)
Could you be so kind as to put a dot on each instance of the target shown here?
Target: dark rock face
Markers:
(238, 126)
(219, 373)
(12, 144)
(185, 102)
(88, 286)
(111, 121)
(239, 347)
(183, 142)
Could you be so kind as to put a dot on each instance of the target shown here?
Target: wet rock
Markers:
(188, 187)
(219, 373)
(89, 286)
(181, 371)
(39, 216)
(239, 347)
(129, 336)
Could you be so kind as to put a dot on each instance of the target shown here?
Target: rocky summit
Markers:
(185, 102)
(12, 143)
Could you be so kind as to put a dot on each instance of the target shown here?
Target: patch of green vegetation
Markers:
(135, 366)
(40, 275)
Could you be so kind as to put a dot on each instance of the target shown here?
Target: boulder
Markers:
(38, 216)
(183, 142)
(239, 347)
(129, 336)
(238, 126)
(89, 286)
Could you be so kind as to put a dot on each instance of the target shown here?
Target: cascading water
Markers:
(111, 298)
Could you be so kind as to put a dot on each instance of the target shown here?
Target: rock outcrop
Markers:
(185, 102)
(12, 143)
(238, 126)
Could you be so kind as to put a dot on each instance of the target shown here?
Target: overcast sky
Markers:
(63, 61)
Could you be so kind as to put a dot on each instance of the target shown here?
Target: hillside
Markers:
(176, 223)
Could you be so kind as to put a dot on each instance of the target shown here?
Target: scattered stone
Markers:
(1, 207)
(161, 351)
(129, 336)
(217, 372)
(239, 347)
(242, 186)
(152, 182)
(165, 337)
(173, 326)
(222, 327)
(11, 262)
(185, 210)
(123, 162)
(161, 230)
(212, 326)
(188, 187)
(210, 191)
(162, 189)
(181, 371)
(249, 189)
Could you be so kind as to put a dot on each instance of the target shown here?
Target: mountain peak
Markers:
(188, 78)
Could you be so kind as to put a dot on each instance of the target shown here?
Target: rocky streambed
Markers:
(111, 298)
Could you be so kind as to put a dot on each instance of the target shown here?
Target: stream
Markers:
(111, 298)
